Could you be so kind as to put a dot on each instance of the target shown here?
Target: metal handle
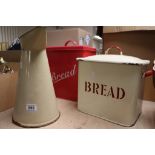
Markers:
(71, 41)
(148, 73)
(5, 68)
(2, 61)
(116, 47)
(151, 73)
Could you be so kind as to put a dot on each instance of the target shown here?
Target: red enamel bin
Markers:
(64, 69)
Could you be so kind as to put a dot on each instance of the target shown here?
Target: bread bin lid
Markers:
(119, 59)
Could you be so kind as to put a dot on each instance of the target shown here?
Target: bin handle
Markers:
(148, 73)
(116, 47)
(71, 41)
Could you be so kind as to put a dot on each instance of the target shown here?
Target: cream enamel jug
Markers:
(35, 102)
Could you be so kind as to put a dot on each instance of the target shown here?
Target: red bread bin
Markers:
(64, 69)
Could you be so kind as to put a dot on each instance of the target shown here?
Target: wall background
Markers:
(9, 33)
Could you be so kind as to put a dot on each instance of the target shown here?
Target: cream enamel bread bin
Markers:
(111, 87)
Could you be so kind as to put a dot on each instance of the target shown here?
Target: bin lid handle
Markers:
(71, 41)
(116, 47)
